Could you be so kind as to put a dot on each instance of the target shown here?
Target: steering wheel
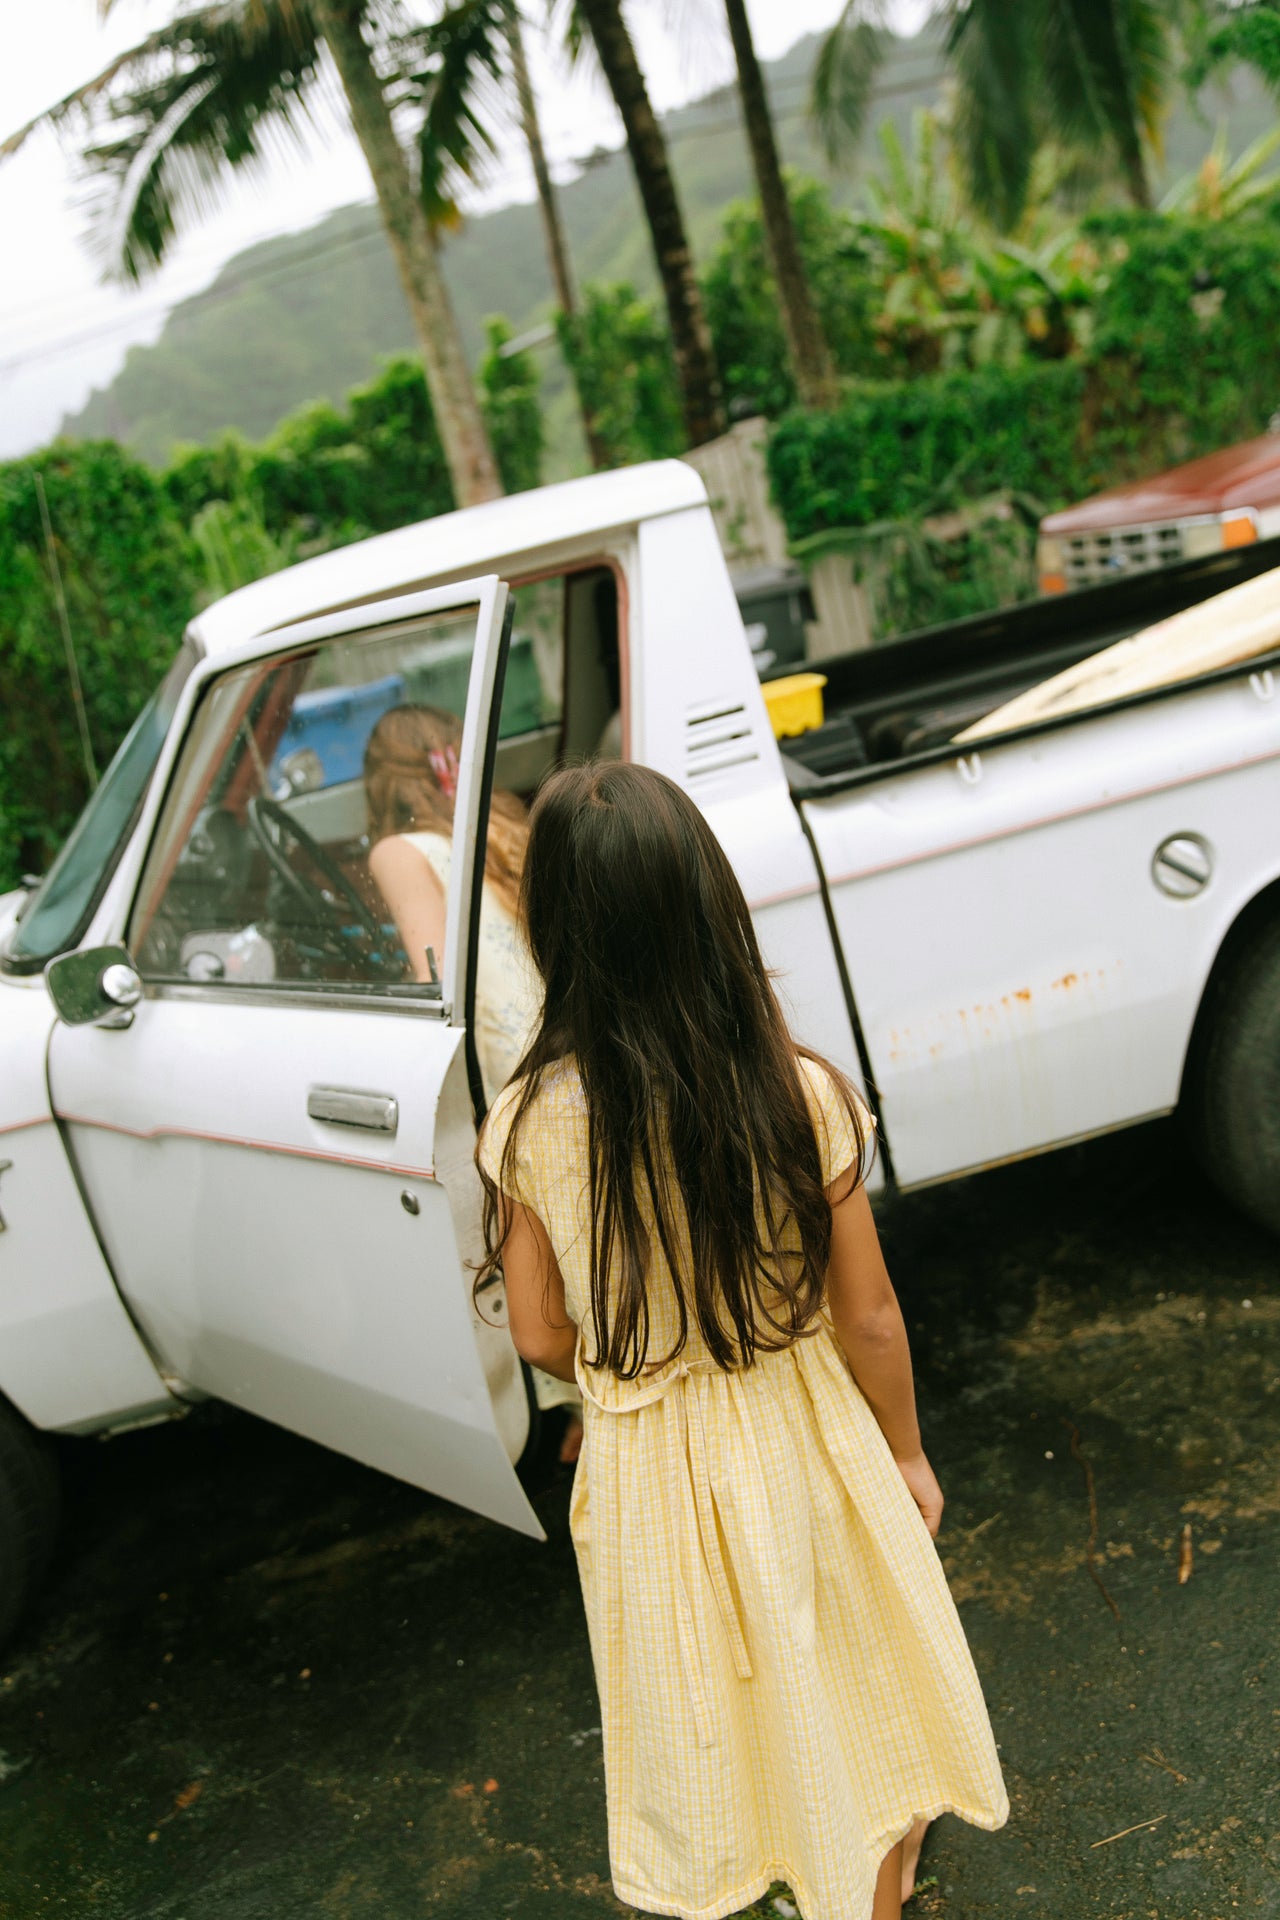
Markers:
(343, 925)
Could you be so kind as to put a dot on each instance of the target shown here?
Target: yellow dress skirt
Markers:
(785, 1686)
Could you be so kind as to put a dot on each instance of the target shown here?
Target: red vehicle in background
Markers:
(1226, 499)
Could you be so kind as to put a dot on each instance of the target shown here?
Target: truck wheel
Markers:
(28, 1514)
(1233, 1092)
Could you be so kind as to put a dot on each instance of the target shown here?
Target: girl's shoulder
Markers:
(432, 846)
(842, 1121)
(546, 1124)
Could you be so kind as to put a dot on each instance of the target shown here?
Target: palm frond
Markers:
(1107, 65)
(456, 70)
(844, 76)
(84, 101)
(209, 94)
(995, 127)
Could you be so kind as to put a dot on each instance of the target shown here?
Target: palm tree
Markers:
(475, 69)
(168, 121)
(701, 403)
(1091, 73)
(472, 42)
(807, 349)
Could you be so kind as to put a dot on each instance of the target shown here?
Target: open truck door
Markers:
(272, 1121)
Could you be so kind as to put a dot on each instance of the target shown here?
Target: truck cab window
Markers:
(259, 873)
(60, 909)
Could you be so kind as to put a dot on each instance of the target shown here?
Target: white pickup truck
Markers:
(236, 1137)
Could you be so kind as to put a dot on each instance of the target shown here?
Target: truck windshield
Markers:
(59, 910)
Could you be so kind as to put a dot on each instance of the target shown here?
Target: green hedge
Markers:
(900, 450)
(1182, 359)
(1185, 354)
(129, 574)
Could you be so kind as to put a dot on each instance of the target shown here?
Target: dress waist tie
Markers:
(688, 1476)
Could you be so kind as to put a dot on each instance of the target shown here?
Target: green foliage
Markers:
(914, 286)
(1167, 328)
(920, 572)
(896, 451)
(235, 546)
(620, 351)
(1220, 187)
(129, 575)
(742, 298)
(510, 402)
(1090, 74)
(1248, 33)
(328, 475)
(1184, 338)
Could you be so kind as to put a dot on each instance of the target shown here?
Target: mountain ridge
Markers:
(308, 315)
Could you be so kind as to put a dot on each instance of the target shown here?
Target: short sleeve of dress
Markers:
(516, 1180)
(837, 1141)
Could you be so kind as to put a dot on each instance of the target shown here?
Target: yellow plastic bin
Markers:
(794, 702)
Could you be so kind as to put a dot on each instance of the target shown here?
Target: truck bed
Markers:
(904, 702)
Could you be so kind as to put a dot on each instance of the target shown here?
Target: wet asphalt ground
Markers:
(265, 1683)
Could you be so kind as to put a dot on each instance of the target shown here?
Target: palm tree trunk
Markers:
(690, 335)
(1135, 176)
(467, 451)
(553, 230)
(807, 347)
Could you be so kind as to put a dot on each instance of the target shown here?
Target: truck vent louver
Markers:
(717, 737)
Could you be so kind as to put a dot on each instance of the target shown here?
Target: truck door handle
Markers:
(343, 1107)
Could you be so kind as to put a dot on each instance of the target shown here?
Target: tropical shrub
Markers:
(128, 574)
(510, 402)
(901, 450)
(1184, 337)
(742, 299)
(620, 352)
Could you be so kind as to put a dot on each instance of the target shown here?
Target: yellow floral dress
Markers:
(785, 1686)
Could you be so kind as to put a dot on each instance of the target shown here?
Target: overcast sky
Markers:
(62, 332)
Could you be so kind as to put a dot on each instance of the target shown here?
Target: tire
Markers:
(29, 1504)
(1233, 1091)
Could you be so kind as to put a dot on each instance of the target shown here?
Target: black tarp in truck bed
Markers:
(902, 702)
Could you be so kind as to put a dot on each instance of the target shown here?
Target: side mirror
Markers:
(101, 985)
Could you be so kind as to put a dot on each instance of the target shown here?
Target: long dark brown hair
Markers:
(697, 1121)
(410, 773)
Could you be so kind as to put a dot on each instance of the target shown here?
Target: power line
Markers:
(302, 263)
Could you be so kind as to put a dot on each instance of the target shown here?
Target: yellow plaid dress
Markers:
(784, 1683)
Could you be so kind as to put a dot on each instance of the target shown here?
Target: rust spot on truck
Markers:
(1067, 981)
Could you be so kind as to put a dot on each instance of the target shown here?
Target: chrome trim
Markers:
(348, 1107)
(205, 992)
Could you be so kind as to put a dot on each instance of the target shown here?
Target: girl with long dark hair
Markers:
(674, 1198)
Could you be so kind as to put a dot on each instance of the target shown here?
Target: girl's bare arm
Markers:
(869, 1326)
(407, 882)
(541, 1329)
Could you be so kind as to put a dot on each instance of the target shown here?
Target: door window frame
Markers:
(490, 598)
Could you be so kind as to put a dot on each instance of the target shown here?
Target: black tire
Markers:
(29, 1504)
(1233, 1085)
